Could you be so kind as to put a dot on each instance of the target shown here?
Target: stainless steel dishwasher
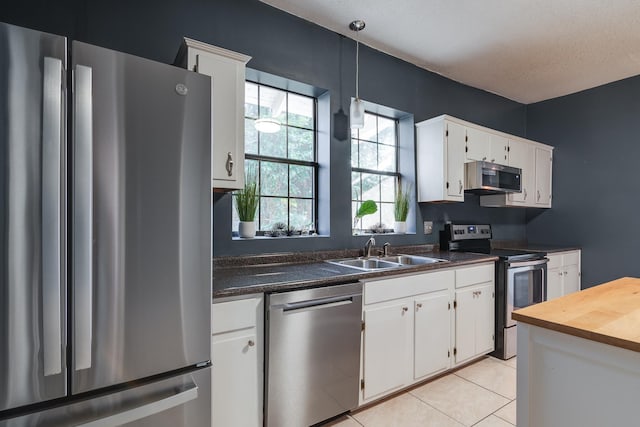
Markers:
(313, 354)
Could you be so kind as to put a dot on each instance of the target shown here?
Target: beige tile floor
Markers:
(481, 394)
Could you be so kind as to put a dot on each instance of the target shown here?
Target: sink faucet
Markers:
(385, 248)
(367, 246)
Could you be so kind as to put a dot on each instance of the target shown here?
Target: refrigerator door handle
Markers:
(51, 215)
(145, 410)
(83, 217)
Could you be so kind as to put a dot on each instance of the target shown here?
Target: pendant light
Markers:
(356, 110)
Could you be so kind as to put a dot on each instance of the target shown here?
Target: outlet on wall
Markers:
(428, 227)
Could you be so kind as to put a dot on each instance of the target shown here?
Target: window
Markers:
(374, 168)
(285, 162)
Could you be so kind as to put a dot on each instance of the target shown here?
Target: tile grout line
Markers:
(355, 420)
(483, 387)
(433, 407)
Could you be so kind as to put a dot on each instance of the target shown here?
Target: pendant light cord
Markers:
(357, 67)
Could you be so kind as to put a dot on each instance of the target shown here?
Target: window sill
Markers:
(236, 238)
(370, 233)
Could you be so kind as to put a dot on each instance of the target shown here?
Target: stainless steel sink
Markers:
(385, 263)
(411, 259)
(366, 263)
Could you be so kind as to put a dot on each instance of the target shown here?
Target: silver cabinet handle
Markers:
(418, 305)
(405, 309)
(525, 194)
(538, 195)
(51, 215)
(83, 216)
(460, 189)
(251, 343)
(146, 410)
(229, 165)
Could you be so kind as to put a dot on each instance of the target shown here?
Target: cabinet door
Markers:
(554, 283)
(387, 348)
(227, 118)
(432, 333)
(465, 347)
(485, 313)
(477, 145)
(236, 400)
(571, 278)
(455, 161)
(522, 155)
(499, 149)
(543, 177)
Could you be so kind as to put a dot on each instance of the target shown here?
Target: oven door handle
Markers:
(527, 263)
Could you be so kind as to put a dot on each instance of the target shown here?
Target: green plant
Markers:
(367, 207)
(401, 204)
(247, 198)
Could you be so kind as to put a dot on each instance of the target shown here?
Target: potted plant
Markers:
(367, 207)
(401, 208)
(246, 201)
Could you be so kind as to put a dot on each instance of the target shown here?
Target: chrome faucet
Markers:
(367, 246)
(385, 248)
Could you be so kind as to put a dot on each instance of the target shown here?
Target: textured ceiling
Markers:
(524, 50)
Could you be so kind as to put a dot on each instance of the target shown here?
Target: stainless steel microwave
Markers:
(492, 178)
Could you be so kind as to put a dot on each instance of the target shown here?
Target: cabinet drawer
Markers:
(233, 315)
(571, 258)
(473, 275)
(405, 286)
(555, 260)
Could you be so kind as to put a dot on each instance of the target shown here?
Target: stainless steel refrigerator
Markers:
(105, 237)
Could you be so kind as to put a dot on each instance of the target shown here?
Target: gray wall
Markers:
(284, 45)
(596, 189)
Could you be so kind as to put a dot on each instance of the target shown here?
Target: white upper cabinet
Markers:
(544, 161)
(227, 71)
(478, 145)
(440, 154)
(444, 144)
(499, 149)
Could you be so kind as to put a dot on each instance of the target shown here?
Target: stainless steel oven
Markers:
(519, 283)
(526, 285)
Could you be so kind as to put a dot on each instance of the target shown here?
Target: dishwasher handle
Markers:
(316, 304)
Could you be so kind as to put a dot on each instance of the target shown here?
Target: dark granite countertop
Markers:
(538, 247)
(247, 275)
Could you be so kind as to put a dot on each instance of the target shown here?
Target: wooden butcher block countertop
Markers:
(608, 313)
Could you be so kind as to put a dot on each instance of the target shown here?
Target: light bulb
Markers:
(356, 113)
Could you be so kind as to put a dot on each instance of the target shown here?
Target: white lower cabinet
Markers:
(409, 324)
(475, 310)
(563, 273)
(432, 333)
(237, 357)
(387, 346)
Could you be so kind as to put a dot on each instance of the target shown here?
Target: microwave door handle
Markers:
(83, 217)
(51, 216)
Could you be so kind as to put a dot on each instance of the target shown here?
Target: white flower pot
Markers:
(400, 226)
(247, 229)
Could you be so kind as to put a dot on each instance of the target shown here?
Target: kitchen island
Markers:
(579, 358)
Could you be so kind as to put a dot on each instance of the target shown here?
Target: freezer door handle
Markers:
(83, 217)
(145, 410)
(51, 215)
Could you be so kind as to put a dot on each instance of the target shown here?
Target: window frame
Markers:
(289, 162)
(397, 174)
